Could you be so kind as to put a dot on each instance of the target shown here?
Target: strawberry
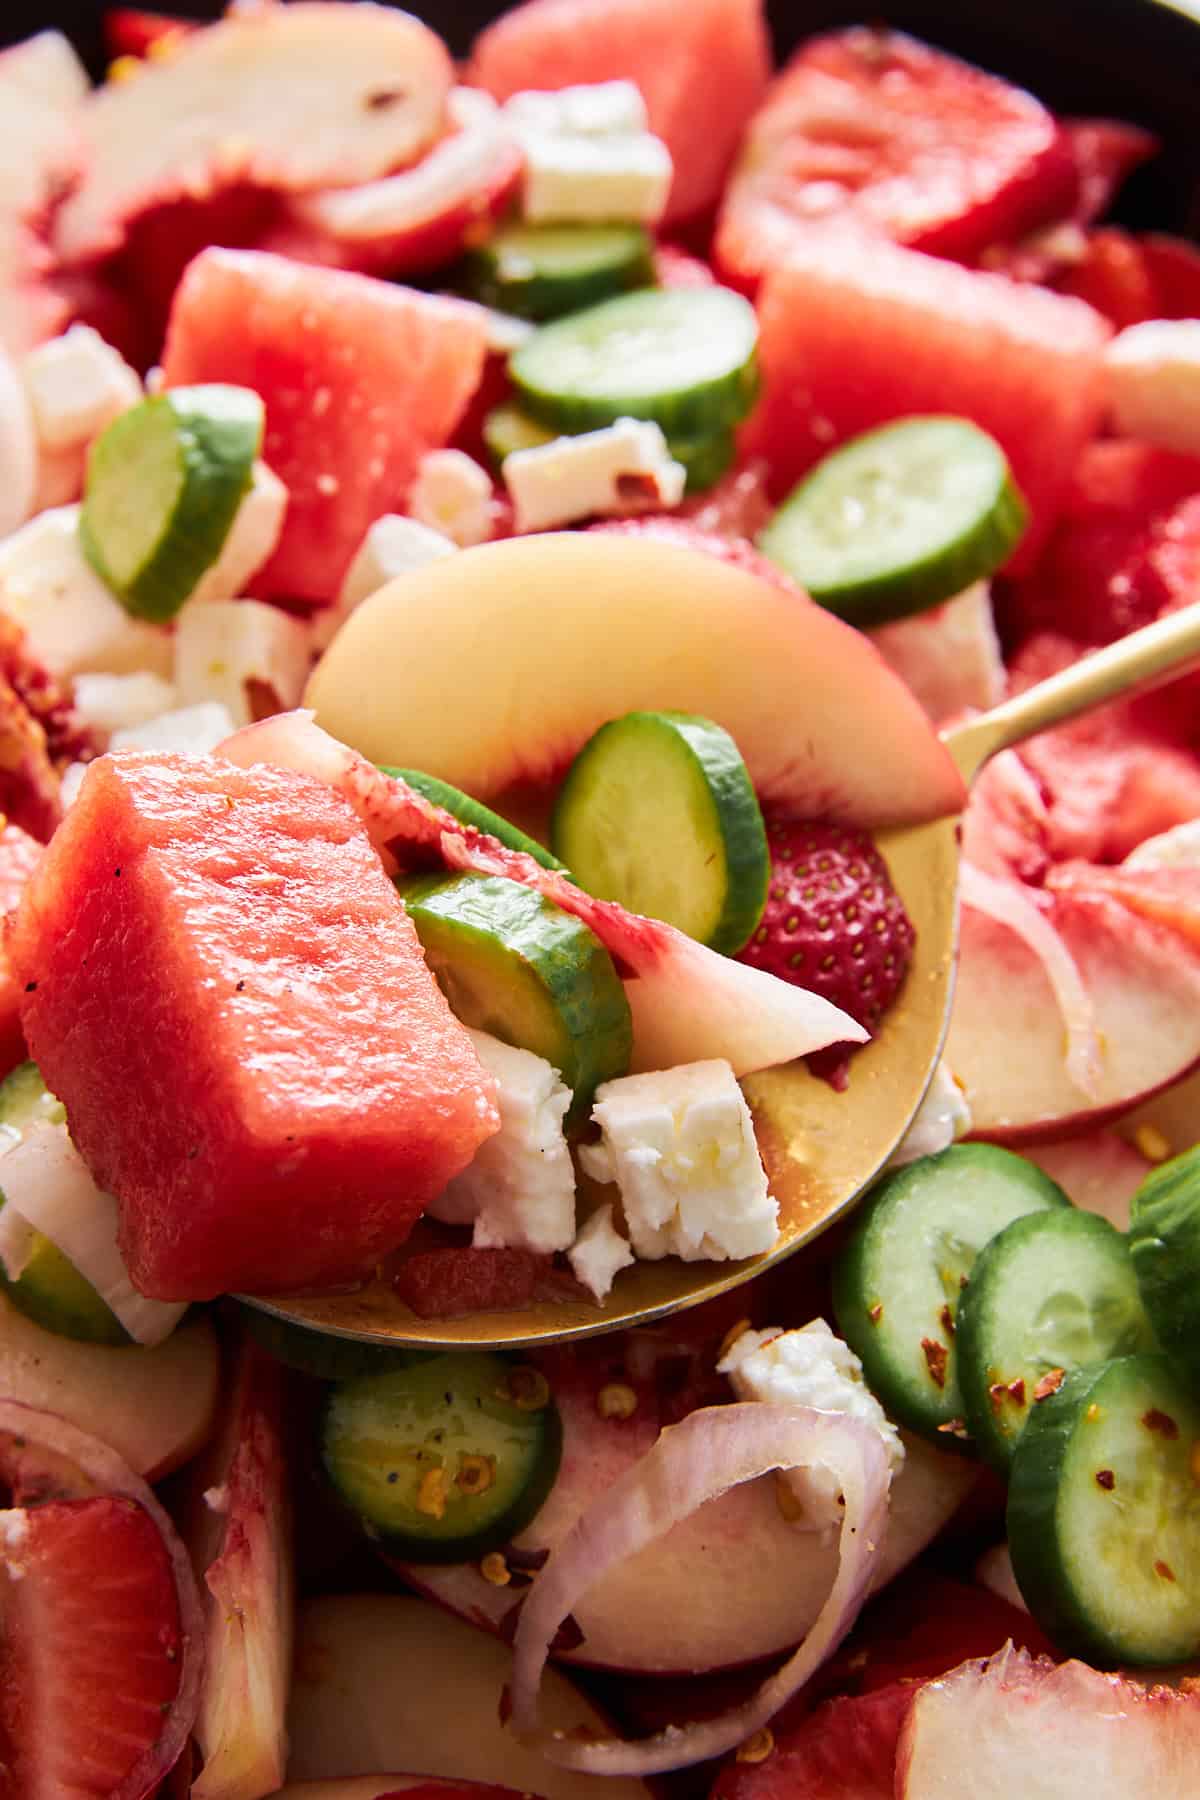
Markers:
(833, 922)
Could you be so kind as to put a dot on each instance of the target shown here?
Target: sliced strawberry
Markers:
(442, 1284)
(845, 1750)
(129, 31)
(92, 1641)
(1017, 1725)
(874, 127)
(359, 377)
(856, 332)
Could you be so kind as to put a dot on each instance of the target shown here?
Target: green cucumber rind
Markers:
(1038, 1553)
(474, 812)
(556, 951)
(218, 432)
(981, 1325)
(319, 1353)
(721, 398)
(1164, 1245)
(51, 1291)
(737, 834)
(932, 1412)
(523, 270)
(912, 587)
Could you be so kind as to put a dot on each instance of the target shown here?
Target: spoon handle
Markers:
(1130, 666)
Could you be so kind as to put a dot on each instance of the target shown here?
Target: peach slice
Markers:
(494, 666)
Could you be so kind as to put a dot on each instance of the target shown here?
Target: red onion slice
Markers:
(712, 1450)
(688, 1002)
(40, 1439)
(1011, 905)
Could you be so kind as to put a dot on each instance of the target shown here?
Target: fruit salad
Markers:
(492, 557)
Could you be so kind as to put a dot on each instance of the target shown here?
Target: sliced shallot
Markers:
(709, 1452)
(1011, 905)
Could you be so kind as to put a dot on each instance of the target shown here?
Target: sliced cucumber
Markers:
(319, 1353)
(1164, 1246)
(1104, 1513)
(513, 964)
(447, 1459)
(899, 1278)
(473, 812)
(1052, 1292)
(49, 1290)
(684, 357)
(899, 519)
(164, 483)
(507, 429)
(543, 271)
(658, 811)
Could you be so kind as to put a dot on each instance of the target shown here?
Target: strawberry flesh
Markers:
(92, 1651)
(833, 923)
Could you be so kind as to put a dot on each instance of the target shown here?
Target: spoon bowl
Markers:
(821, 1148)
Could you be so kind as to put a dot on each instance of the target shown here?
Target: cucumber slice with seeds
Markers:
(1104, 1513)
(543, 271)
(1164, 1246)
(513, 964)
(447, 1459)
(473, 812)
(684, 357)
(658, 811)
(900, 1276)
(321, 1354)
(1052, 1292)
(164, 483)
(899, 519)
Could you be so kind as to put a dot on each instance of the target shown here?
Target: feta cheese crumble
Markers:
(594, 109)
(77, 385)
(252, 658)
(519, 1189)
(393, 545)
(621, 469)
(192, 730)
(251, 538)
(111, 703)
(452, 494)
(589, 155)
(1153, 376)
(71, 621)
(680, 1145)
(811, 1367)
(599, 1253)
(941, 1119)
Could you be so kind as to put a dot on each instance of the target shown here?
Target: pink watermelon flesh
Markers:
(225, 990)
(858, 332)
(702, 69)
(360, 378)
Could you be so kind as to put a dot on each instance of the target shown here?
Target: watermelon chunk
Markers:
(360, 379)
(856, 332)
(874, 127)
(224, 988)
(702, 69)
(19, 855)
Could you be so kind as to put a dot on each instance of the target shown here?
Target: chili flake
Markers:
(1050, 1383)
(936, 1358)
(1106, 1479)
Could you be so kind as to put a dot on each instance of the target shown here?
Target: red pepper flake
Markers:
(1164, 1570)
(875, 1313)
(1106, 1479)
(947, 1321)
(955, 1428)
(936, 1358)
(1161, 1422)
(1050, 1383)
(997, 1394)
(1016, 1391)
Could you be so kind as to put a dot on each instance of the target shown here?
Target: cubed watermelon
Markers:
(702, 69)
(360, 378)
(856, 332)
(19, 856)
(222, 985)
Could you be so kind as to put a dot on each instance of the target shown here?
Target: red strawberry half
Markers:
(833, 923)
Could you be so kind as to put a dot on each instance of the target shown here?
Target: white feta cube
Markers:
(811, 1367)
(597, 109)
(251, 538)
(519, 1189)
(590, 180)
(77, 384)
(192, 730)
(452, 494)
(680, 1145)
(393, 546)
(250, 657)
(941, 1119)
(599, 1253)
(1153, 381)
(72, 622)
(621, 469)
(111, 703)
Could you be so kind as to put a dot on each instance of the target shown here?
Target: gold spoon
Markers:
(821, 1149)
